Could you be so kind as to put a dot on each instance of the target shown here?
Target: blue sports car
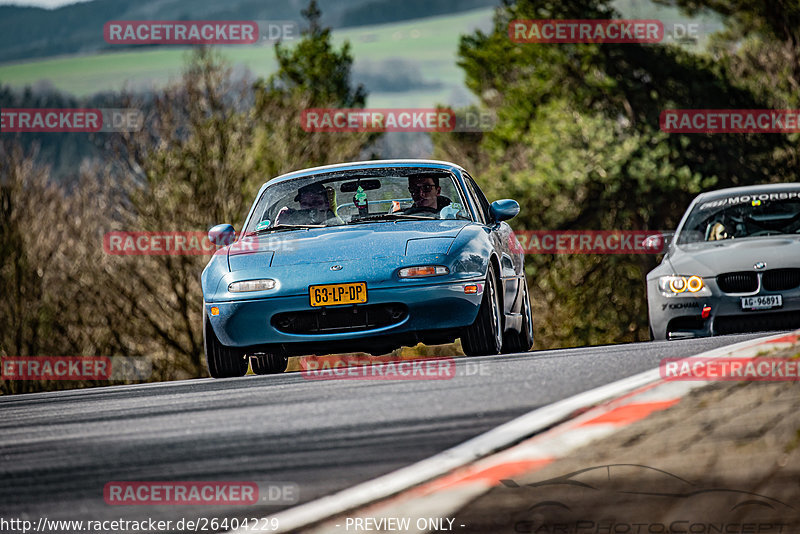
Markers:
(367, 256)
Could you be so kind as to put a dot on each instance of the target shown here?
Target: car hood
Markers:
(711, 259)
(344, 243)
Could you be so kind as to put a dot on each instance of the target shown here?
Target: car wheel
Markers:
(222, 361)
(485, 335)
(521, 341)
(268, 364)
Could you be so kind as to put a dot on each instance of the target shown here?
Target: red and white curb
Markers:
(440, 485)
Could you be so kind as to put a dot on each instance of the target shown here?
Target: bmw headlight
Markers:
(684, 286)
(251, 285)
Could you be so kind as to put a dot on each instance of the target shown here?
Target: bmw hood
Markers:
(709, 259)
(344, 243)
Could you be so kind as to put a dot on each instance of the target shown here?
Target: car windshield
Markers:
(358, 197)
(741, 216)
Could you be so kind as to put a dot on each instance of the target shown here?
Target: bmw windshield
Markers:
(743, 216)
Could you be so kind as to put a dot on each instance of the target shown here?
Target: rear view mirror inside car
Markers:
(350, 187)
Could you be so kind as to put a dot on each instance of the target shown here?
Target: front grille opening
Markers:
(340, 319)
(781, 279)
(742, 282)
(686, 323)
(758, 322)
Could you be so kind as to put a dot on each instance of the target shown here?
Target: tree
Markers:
(310, 75)
(208, 144)
(314, 69)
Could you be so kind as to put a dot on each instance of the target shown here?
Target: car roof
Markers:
(371, 164)
(747, 190)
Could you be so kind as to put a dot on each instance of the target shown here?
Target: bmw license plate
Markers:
(336, 294)
(764, 302)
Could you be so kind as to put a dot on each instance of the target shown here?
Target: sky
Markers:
(40, 3)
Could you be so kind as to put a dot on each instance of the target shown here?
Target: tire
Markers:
(222, 361)
(485, 335)
(521, 341)
(268, 364)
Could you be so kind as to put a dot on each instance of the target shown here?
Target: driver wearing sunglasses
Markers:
(425, 191)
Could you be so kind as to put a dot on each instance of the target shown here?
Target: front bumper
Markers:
(434, 307)
(682, 317)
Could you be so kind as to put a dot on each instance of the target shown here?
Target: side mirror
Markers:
(503, 210)
(222, 235)
(658, 243)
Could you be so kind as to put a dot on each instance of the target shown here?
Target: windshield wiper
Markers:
(286, 227)
(390, 217)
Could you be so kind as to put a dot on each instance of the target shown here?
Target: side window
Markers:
(477, 194)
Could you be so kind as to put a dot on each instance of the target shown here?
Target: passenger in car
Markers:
(314, 207)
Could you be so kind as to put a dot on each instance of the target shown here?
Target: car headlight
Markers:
(423, 271)
(251, 285)
(685, 286)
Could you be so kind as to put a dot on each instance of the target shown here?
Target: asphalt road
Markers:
(58, 450)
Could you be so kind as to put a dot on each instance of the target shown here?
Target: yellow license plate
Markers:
(335, 294)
